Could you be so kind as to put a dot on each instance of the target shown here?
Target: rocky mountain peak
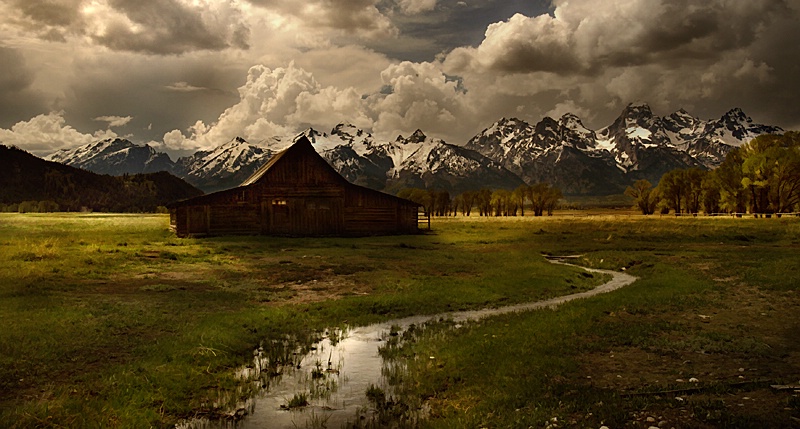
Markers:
(417, 137)
(346, 131)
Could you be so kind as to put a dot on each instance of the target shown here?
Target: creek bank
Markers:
(333, 378)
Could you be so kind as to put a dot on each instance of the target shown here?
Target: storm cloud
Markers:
(193, 74)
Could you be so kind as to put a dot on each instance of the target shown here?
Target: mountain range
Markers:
(562, 152)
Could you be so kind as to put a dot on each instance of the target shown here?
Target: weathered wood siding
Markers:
(296, 194)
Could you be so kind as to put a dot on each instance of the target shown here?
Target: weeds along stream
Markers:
(348, 377)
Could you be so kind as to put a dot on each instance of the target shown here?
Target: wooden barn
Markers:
(296, 193)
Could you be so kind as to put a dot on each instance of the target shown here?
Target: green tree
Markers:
(693, 178)
(732, 194)
(484, 201)
(771, 172)
(645, 196)
(501, 201)
(419, 196)
(544, 198)
(520, 195)
(711, 193)
(468, 202)
(673, 189)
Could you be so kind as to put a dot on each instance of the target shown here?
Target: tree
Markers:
(441, 202)
(645, 196)
(501, 202)
(693, 180)
(771, 172)
(468, 201)
(484, 201)
(543, 198)
(673, 189)
(710, 190)
(520, 195)
(419, 196)
(732, 195)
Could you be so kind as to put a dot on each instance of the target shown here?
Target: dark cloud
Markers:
(451, 24)
(170, 27)
(149, 95)
(585, 37)
(56, 13)
(17, 98)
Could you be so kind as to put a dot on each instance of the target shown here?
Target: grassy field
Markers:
(111, 321)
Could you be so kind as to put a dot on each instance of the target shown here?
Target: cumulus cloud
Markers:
(583, 35)
(419, 96)
(44, 134)
(285, 100)
(275, 102)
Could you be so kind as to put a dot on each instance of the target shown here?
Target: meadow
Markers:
(111, 321)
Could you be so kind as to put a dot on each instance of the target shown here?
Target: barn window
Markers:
(278, 202)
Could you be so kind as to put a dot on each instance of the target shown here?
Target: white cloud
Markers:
(114, 121)
(276, 102)
(44, 134)
(421, 97)
(412, 7)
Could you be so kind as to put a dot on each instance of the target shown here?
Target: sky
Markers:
(184, 75)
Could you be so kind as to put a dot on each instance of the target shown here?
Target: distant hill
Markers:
(24, 177)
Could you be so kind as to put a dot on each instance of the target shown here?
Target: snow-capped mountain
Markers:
(558, 152)
(115, 157)
(710, 144)
(415, 161)
(434, 164)
(224, 167)
(637, 145)
(563, 152)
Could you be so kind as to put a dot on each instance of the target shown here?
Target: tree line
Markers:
(762, 176)
(541, 198)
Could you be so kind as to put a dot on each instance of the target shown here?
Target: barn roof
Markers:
(264, 168)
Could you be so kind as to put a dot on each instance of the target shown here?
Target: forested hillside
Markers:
(28, 183)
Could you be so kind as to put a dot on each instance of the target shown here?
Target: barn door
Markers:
(280, 221)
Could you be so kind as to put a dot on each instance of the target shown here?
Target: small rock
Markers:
(679, 380)
(741, 369)
(693, 380)
(650, 420)
(662, 424)
(604, 427)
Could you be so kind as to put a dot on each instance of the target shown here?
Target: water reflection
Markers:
(331, 380)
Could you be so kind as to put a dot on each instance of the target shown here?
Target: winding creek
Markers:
(335, 375)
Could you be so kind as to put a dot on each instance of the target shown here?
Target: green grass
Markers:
(525, 370)
(109, 320)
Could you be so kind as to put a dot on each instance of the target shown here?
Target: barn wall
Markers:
(297, 194)
(369, 212)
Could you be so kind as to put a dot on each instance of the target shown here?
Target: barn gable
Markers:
(295, 193)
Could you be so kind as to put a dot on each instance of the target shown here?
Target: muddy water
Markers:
(335, 376)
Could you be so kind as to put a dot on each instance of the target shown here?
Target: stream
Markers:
(335, 375)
